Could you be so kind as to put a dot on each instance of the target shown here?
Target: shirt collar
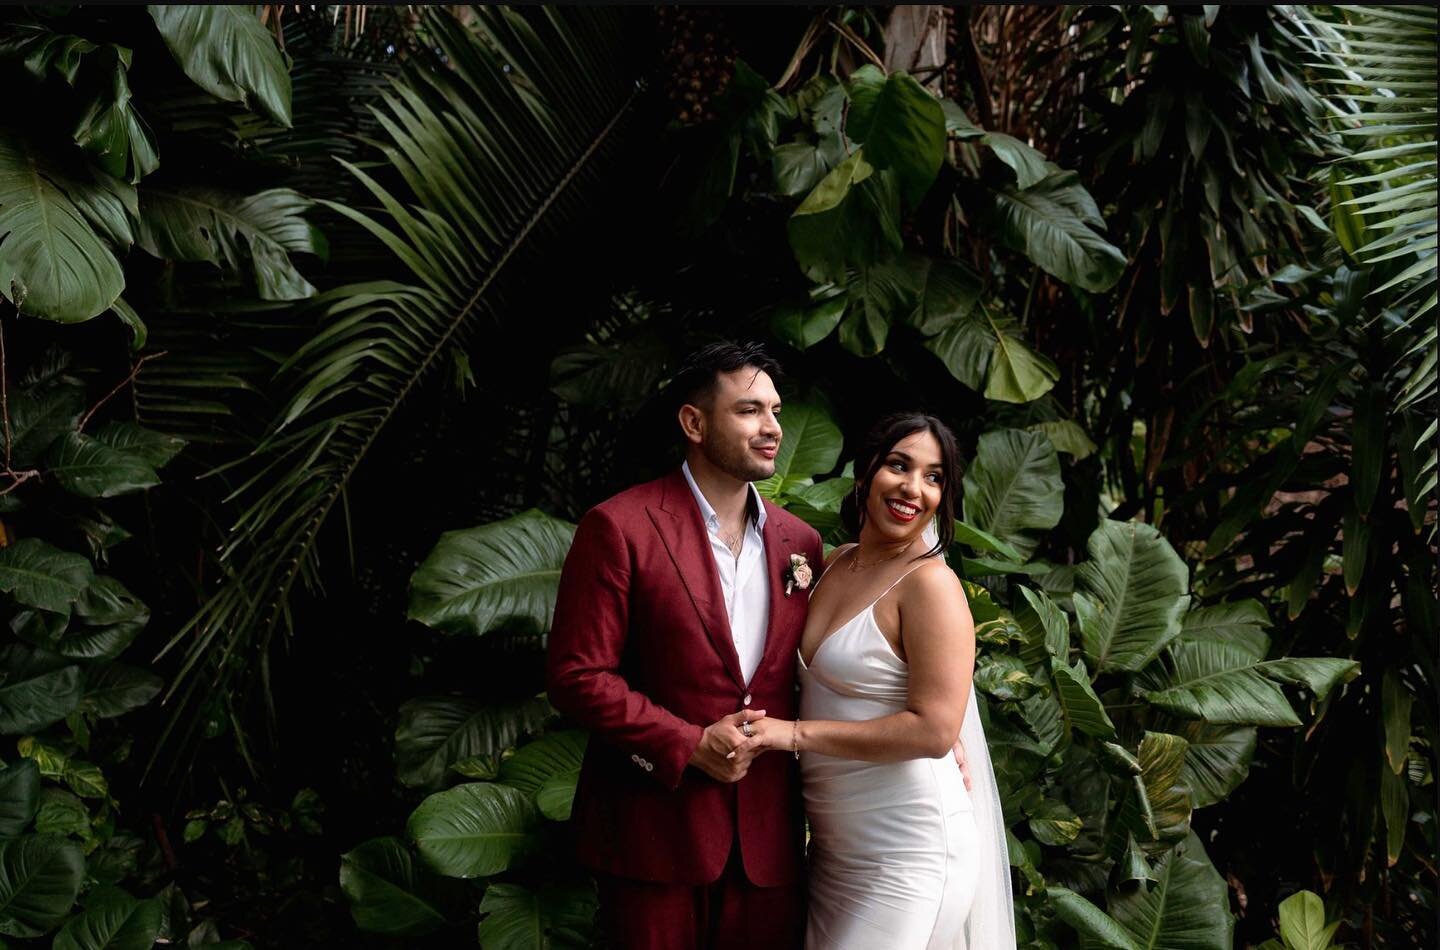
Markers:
(712, 520)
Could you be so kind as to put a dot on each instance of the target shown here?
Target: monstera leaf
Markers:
(472, 830)
(389, 890)
(810, 446)
(111, 920)
(226, 51)
(505, 572)
(435, 733)
(555, 917)
(1013, 489)
(40, 876)
(59, 234)
(547, 770)
(1129, 596)
(1222, 683)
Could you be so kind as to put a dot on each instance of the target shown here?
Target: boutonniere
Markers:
(797, 574)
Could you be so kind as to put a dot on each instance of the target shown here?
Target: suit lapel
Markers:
(677, 519)
(777, 562)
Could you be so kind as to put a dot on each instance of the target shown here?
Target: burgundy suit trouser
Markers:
(729, 914)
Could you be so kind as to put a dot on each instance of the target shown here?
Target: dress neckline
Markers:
(868, 609)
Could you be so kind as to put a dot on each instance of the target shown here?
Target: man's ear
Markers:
(692, 423)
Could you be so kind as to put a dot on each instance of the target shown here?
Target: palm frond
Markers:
(1380, 62)
(496, 149)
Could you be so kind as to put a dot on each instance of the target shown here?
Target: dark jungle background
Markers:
(323, 325)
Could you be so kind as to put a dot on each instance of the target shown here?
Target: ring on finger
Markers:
(746, 730)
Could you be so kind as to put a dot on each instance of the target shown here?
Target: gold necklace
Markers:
(855, 564)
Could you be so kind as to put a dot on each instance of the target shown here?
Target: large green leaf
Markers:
(1302, 922)
(257, 232)
(113, 689)
(1044, 629)
(38, 575)
(389, 891)
(1188, 905)
(505, 572)
(37, 418)
(156, 448)
(37, 688)
(1083, 709)
(803, 327)
(40, 876)
(901, 125)
(864, 228)
(1158, 807)
(472, 830)
(111, 920)
(1221, 683)
(59, 234)
(878, 295)
(1088, 920)
(810, 446)
(833, 188)
(547, 769)
(947, 291)
(985, 353)
(1129, 595)
(111, 128)
(1055, 224)
(555, 917)
(435, 733)
(19, 796)
(227, 52)
(92, 469)
(1013, 489)
(1237, 623)
(107, 618)
(1217, 758)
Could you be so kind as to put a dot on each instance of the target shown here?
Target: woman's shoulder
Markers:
(933, 580)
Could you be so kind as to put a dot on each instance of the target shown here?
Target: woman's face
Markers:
(905, 492)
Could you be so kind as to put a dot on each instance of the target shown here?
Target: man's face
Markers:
(740, 431)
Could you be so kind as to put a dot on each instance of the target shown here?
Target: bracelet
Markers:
(795, 737)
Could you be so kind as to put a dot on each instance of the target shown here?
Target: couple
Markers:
(690, 608)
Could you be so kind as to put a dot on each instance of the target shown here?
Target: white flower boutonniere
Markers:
(798, 574)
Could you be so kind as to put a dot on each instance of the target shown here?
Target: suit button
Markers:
(746, 700)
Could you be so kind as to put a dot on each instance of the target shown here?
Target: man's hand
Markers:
(959, 751)
(716, 754)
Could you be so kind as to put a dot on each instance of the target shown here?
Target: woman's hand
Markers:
(768, 734)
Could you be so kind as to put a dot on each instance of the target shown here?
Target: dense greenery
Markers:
(1169, 273)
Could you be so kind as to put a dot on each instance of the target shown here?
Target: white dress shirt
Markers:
(743, 580)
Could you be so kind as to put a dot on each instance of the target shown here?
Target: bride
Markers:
(902, 856)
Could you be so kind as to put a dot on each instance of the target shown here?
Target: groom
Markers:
(678, 621)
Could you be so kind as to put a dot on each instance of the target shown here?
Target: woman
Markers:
(902, 856)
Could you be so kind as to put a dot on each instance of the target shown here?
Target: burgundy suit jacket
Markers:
(640, 653)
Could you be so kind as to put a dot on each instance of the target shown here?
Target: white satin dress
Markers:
(894, 851)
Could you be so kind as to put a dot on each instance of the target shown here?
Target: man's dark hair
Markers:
(881, 439)
(695, 381)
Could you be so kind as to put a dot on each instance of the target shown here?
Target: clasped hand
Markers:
(724, 752)
(779, 734)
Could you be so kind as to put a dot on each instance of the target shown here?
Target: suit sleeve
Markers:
(587, 641)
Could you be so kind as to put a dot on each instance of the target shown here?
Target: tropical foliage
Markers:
(396, 288)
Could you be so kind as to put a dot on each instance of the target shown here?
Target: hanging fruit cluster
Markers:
(697, 58)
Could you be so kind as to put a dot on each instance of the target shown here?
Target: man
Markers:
(677, 623)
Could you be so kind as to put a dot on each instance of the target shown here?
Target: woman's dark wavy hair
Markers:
(878, 443)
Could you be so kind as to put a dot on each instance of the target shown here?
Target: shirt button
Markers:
(746, 700)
